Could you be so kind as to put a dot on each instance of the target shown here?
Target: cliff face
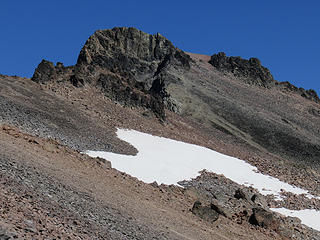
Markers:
(132, 53)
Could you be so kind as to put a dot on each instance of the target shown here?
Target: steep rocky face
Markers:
(268, 118)
(251, 70)
(130, 52)
(130, 66)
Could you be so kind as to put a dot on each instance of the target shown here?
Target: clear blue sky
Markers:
(284, 35)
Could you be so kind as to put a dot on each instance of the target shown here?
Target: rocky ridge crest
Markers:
(135, 68)
(252, 72)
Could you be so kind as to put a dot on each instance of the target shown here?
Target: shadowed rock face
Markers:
(205, 212)
(263, 218)
(131, 52)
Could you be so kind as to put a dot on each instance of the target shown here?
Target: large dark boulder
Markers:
(204, 212)
(239, 194)
(264, 218)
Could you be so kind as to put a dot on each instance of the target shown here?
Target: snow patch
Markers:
(309, 217)
(169, 161)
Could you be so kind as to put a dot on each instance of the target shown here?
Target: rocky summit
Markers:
(130, 66)
(125, 78)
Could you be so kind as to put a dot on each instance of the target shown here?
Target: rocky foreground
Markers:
(51, 191)
(125, 78)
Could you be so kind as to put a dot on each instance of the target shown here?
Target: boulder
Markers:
(259, 200)
(239, 194)
(264, 218)
(204, 212)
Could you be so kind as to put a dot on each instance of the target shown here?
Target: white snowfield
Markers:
(309, 217)
(169, 161)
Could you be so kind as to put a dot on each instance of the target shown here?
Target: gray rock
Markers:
(48, 72)
(264, 218)
(131, 67)
(239, 194)
(259, 200)
(251, 69)
(216, 206)
(205, 212)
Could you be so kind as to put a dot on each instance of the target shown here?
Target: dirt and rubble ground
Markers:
(50, 190)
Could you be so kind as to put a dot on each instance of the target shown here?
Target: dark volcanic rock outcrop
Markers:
(264, 218)
(251, 70)
(130, 66)
(47, 72)
(252, 207)
(308, 94)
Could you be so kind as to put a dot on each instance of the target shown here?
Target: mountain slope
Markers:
(234, 95)
(125, 78)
